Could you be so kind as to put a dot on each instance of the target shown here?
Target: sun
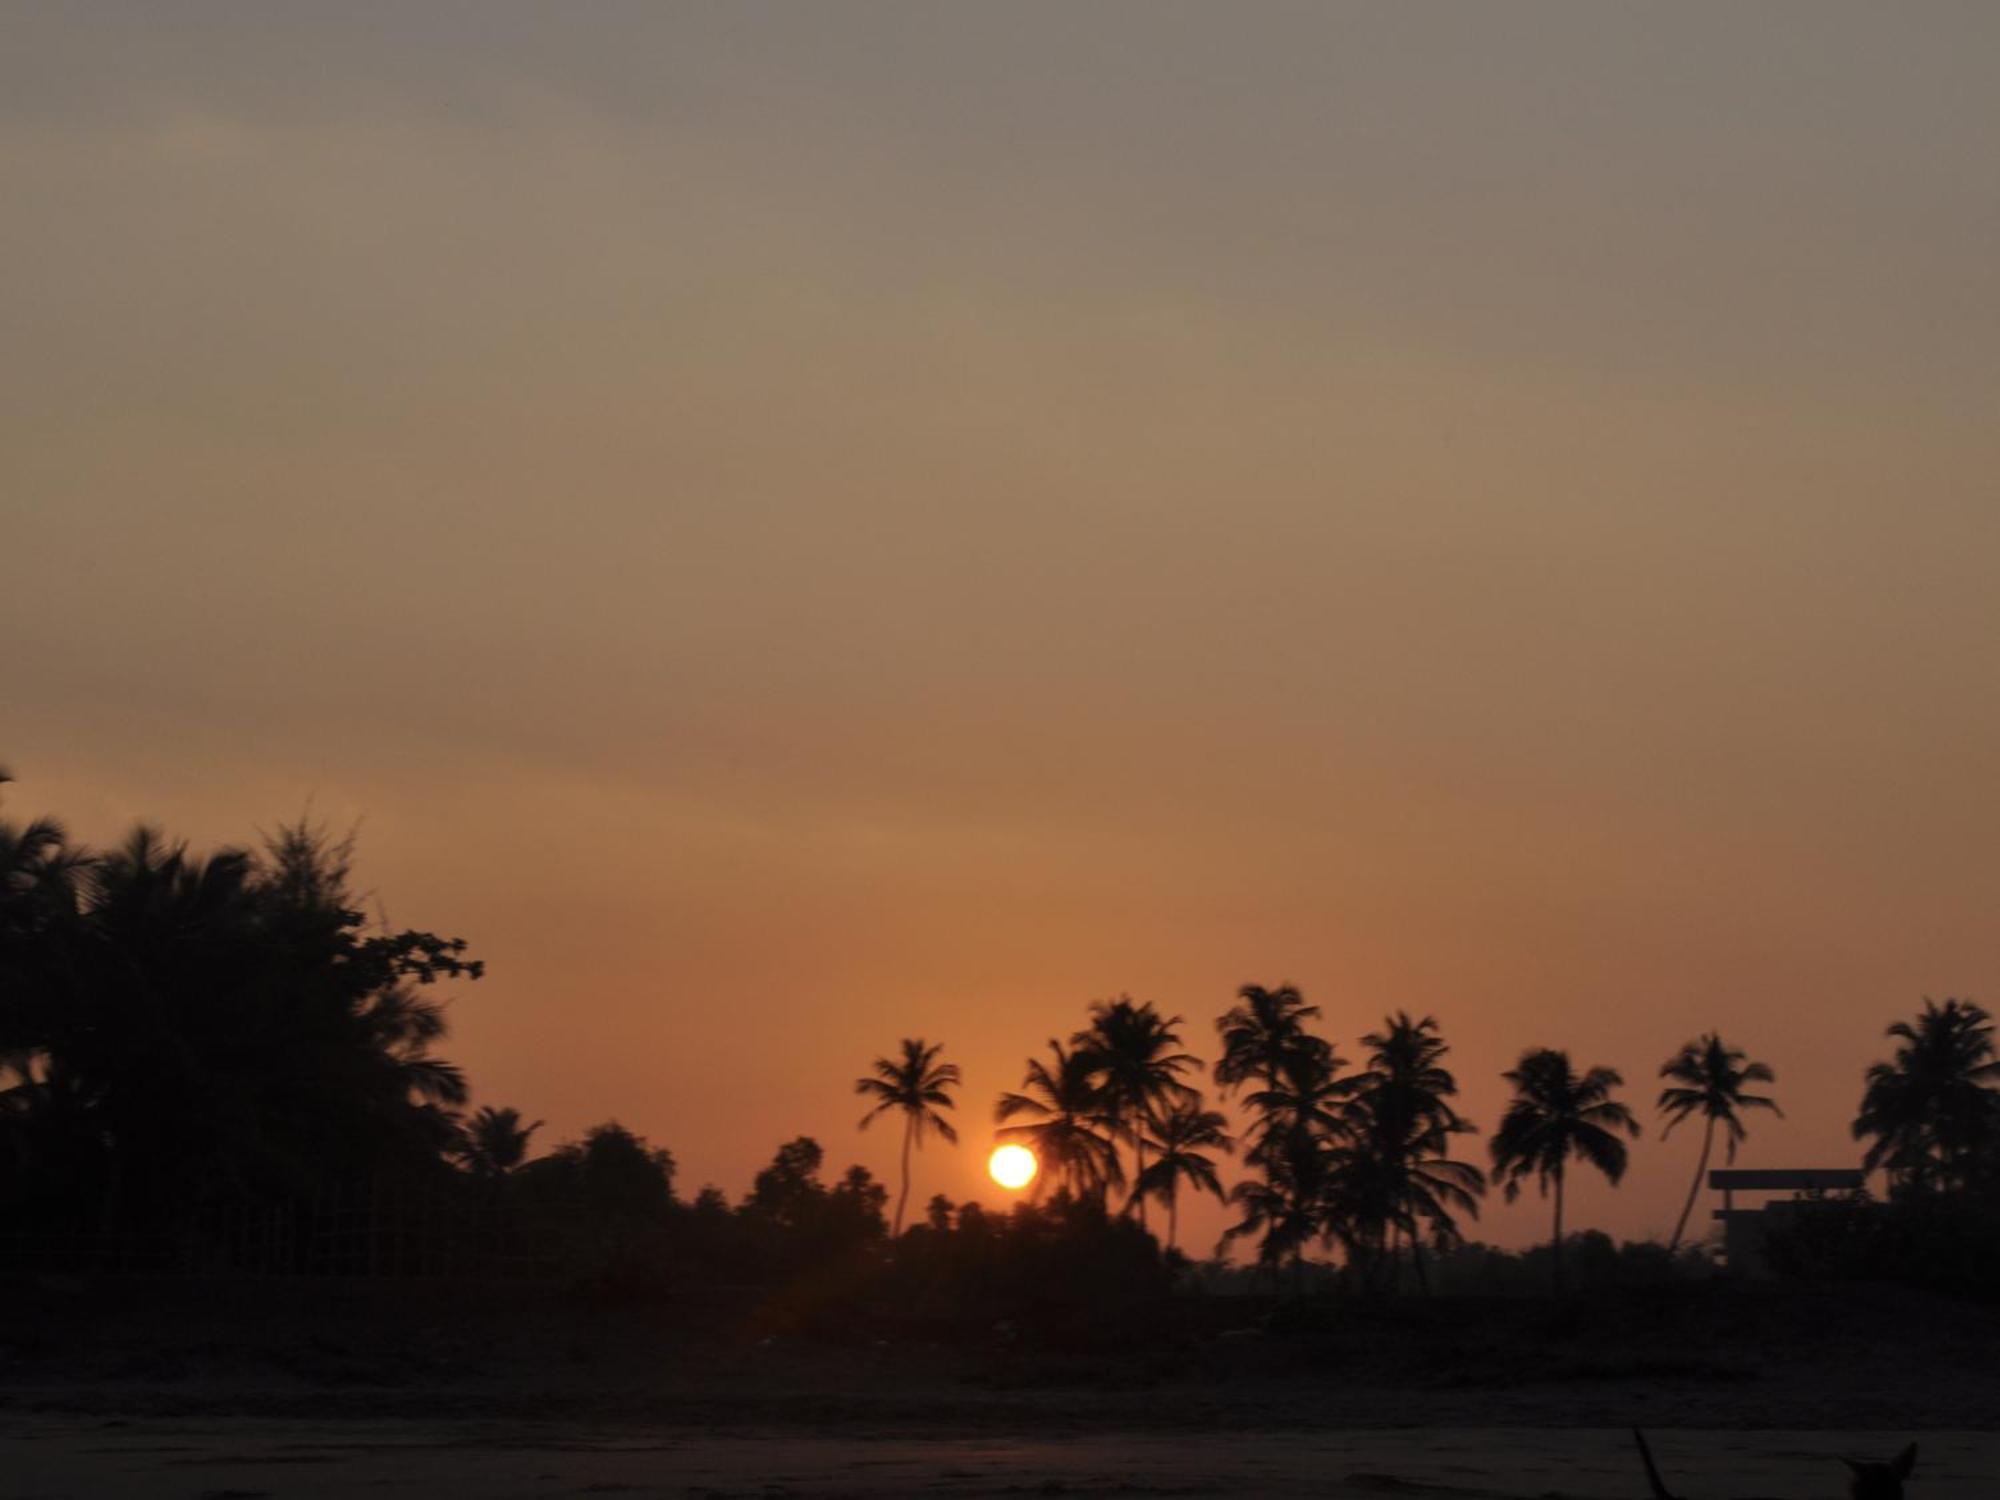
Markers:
(1013, 1166)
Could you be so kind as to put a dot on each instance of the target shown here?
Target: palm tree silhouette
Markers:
(1305, 1099)
(1403, 1120)
(918, 1086)
(1709, 1078)
(1261, 1031)
(1132, 1049)
(1297, 1133)
(1286, 1206)
(1066, 1109)
(1181, 1139)
(1932, 1112)
(496, 1142)
(1557, 1114)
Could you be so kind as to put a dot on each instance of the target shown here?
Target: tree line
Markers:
(1359, 1159)
(178, 1030)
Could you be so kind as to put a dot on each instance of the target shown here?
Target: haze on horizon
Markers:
(793, 527)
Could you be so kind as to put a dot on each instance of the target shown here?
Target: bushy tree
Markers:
(182, 1030)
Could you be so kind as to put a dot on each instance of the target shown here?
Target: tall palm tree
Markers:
(496, 1142)
(1402, 1118)
(1709, 1078)
(917, 1086)
(1134, 1051)
(1933, 1113)
(1299, 1121)
(1260, 1031)
(1067, 1129)
(1557, 1114)
(1181, 1139)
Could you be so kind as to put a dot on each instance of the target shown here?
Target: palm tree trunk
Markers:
(1173, 1214)
(1417, 1259)
(1700, 1169)
(903, 1198)
(1556, 1248)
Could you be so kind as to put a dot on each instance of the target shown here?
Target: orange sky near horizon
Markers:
(791, 528)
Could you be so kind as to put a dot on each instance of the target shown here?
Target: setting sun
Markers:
(1013, 1166)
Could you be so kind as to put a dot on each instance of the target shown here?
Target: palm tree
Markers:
(1297, 1134)
(43, 878)
(1709, 1078)
(1932, 1112)
(1402, 1118)
(1066, 1108)
(1557, 1114)
(1305, 1099)
(1261, 1031)
(1285, 1205)
(1180, 1140)
(1134, 1051)
(919, 1087)
(496, 1142)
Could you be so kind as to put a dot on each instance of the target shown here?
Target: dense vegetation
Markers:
(213, 1063)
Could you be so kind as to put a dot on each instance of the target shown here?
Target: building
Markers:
(1746, 1230)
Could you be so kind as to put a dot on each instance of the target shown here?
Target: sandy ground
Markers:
(51, 1457)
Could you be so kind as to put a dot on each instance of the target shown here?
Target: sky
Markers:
(791, 527)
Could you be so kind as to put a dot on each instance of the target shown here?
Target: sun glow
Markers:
(1012, 1166)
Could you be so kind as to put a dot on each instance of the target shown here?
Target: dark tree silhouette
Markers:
(1932, 1114)
(783, 1193)
(1401, 1121)
(917, 1086)
(1283, 1206)
(798, 1222)
(187, 1030)
(1133, 1052)
(1261, 1031)
(495, 1142)
(1557, 1114)
(1067, 1127)
(1298, 1130)
(1709, 1079)
(1181, 1140)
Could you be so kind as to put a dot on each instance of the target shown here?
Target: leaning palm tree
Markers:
(1933, 1113)
(1557, 1114)
(1261, 1031)
(1135, 1053)
(1067, 1123)
(918, 1087)
(1181, 1140)
(1709, 1077)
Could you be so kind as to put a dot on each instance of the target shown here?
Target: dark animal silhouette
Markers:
(1866, 1481)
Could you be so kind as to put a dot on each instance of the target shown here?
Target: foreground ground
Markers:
(298, 1391)
(73, 1458)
